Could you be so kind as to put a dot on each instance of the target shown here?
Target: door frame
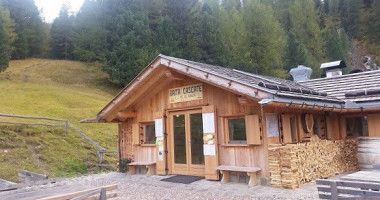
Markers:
(188, 168)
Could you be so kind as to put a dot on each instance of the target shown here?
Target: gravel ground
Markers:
(143, 187)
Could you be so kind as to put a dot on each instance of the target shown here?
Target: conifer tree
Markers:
(4, 56)
(211, 42)
(29, 27)
(61, 33)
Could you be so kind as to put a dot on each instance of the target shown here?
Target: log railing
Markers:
(65, 121)
(66, 124)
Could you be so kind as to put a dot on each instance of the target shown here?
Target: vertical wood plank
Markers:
(373, 125)
(332, 125)
(286, 130)
(135, 134)
(211, 162)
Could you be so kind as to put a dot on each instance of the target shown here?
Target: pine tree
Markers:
(234, 34)
(211, 42)
(305, 26)
(350, 16)
(9, 26)
(131, 53)
(4, 56)
(89, 35)
(337, 44)
(185, 16)
(29, 27)
(296, 53)
(61, 33)
(266, 39)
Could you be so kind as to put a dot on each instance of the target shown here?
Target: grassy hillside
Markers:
(59, 89)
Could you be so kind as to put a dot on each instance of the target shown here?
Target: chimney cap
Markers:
(339, 64)
(301, 73)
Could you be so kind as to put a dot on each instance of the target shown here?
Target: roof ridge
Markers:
(256, 76)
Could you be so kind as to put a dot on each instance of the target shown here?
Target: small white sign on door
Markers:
(209, 150)
(159, 129)
(208, 122)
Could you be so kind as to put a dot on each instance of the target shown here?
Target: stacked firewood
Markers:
(293, 165)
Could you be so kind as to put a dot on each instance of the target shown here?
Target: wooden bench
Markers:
(338, 189)
(149, 165)
(251, 172)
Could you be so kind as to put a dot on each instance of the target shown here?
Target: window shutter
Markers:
(252, 127)
(135, 134)
(286, 130)
(332, 125)
(373, 125)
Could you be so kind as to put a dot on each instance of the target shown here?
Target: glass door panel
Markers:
(179, 139)
(196, 132)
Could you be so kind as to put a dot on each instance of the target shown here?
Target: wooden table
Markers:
(363, 176)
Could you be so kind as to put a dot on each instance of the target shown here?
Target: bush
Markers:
(124, 164)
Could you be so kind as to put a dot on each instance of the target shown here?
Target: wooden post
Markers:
(226, 176)
(103, 194)
(100, 153)
(252, 178)
(66, 126)
(334, 191)
(131, 169)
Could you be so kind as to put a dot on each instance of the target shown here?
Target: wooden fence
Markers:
(97, 193)
(64, 121)
(66, 125)
(350, 190)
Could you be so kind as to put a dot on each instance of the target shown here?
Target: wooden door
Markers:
(186, 143)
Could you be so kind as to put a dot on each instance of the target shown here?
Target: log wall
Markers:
(125, 139)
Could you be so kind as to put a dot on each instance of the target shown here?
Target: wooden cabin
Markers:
(183, 117)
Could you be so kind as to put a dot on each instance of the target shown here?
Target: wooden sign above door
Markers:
(185, 93)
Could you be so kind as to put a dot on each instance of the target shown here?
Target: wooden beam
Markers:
(171, 76)
(245, 101)
(150, 93)
(109, 108)
(123, 115)
(143, 86)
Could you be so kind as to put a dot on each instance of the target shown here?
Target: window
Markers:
(236, 131)
(149, 136)
(356, 126)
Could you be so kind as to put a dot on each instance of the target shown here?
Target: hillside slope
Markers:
(59, 89)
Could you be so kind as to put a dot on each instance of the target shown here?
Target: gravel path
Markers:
(143, 187)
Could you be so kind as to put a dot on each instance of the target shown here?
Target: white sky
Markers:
(50, 8)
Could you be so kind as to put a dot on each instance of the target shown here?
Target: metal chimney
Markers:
(301, 73)
(333, 68)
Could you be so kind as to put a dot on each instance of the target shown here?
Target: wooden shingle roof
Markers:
(339, 86)
(272, 85)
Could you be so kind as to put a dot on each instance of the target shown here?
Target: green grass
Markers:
(58, 89)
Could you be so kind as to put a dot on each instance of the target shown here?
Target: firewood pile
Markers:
(293, 165)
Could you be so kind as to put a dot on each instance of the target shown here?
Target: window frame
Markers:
(142, 134)
(363, 117)
(227, 131)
